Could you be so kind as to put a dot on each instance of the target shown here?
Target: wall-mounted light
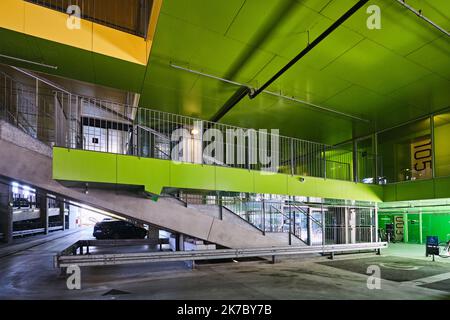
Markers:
(194, 132)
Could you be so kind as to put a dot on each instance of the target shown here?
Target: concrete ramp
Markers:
(33, 166)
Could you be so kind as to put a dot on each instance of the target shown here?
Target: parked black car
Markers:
(118, 230)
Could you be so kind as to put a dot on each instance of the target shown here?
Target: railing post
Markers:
(324, 161)
(323, 225)
(290, 221)
(264, 217)
(309, 226)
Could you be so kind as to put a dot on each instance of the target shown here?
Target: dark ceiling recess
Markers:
(131, 16)
(239, 95)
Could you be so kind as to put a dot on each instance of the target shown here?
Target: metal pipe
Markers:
(208, 75)
(250, 89)
(316, 106)
(311, 46)
(29, 61)
(235, 98)
(420, 15)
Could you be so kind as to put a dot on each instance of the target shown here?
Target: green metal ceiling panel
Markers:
(401, 70)
(430, 93)
(198, 12)
(372, 66)
(117, 73)
(304, 82)
(295, 120)
(356, 70)
(395, 20)
(434, 56)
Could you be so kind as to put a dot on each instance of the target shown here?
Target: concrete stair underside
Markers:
(33, 167)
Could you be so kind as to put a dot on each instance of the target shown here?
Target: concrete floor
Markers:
(27, 273)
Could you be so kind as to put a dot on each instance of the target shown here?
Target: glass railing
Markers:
(313, 223)
(131, 16)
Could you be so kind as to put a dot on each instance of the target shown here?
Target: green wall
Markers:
(154, 174)
(433, 224)
(438, 188)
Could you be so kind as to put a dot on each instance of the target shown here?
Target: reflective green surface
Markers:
(397, 148)
(388, 76)
(442, 141)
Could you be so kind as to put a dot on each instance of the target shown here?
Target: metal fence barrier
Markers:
(66, 258)
(59, 118)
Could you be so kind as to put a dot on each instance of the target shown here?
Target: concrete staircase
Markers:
(26, 160)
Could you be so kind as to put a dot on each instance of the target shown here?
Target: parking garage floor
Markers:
(27, 273)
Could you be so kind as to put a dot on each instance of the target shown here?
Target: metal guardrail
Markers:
(59, 118)
(64, 259)
(34, 231)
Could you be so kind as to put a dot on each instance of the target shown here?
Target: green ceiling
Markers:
(387, 76)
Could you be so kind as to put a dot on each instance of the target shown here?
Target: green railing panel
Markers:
(154, 174)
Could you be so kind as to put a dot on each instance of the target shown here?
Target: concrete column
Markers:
(153, 233)
(43, 209)
(6, 213)
(375, 212)
(324, 230)
(346, 225)
(179, 242)
(405, 228)
(420, 228)
(62, 212)
(309, 226)
(352, 226)
(73, 213)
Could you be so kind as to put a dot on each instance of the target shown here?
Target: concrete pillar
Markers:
(6, 213)
(405, 228)
(346, 225)
(309, 227)
(43, 209)
(324, 230)
(179, 242)
(352, 225)
(62, 212)
(153, 233)
(73, 213)
(420, 228)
